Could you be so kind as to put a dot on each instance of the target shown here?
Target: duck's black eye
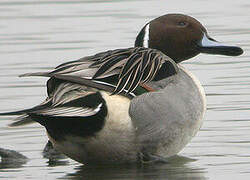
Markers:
(182, 23)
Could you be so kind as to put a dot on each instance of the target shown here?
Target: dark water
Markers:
(37, 35)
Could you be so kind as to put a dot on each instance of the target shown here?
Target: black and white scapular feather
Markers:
(132, 66)
(73, 86)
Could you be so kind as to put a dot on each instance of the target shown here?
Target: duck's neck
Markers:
(142, 39)
(165, 71)
(165, 76)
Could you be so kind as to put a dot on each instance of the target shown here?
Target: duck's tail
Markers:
(21, 121)
(46, 74)
(13, 113)
(23, 115)
(23, 118)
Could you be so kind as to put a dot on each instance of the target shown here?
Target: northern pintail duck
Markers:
(128, 105)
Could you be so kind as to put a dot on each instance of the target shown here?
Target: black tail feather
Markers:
(21, 121)
(25, 111)
(16, 112)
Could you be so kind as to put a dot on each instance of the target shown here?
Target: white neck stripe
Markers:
(146, 36)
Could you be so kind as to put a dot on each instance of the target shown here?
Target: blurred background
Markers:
(37, 35)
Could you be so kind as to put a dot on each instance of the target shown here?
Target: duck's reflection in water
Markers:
(177, 168)
(11, 159)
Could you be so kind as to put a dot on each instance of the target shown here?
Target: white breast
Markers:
(166, 120)
(199, 87)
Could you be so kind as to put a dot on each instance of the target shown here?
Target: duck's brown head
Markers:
(181, 37)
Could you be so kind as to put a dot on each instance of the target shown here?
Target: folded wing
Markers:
(126, 67)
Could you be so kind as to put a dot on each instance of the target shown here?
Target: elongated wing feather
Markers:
(140, 67)
(70, 101)
(110, 65)
(94, 84)
(68, 111)
(131, 65)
